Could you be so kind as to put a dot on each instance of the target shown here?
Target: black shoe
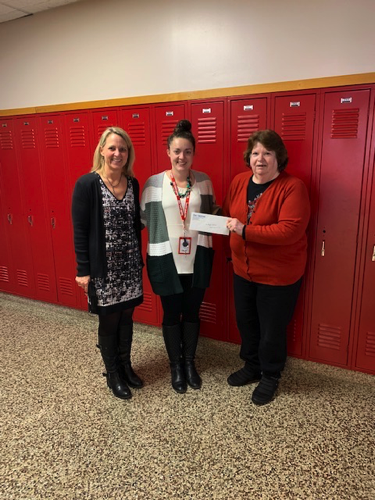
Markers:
(265, 390)
(129, 376)
(178, 378)
(243, 377)
(118, 386)
(192, 377)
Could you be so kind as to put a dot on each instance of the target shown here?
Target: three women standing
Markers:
(179, 260)
(107, 239)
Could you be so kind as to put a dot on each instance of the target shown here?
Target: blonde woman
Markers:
(107, 240)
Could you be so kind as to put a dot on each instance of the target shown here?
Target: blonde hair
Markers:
(98, 160)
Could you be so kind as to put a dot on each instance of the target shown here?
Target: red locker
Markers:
(166, 117)
(343, 147)
(247, 115)
(35, 214)
(56, 182)
(294, 121)
(79, 152)
(208, 128)
(6, 281)
(136, 122)
(102, 119)
(17, 269)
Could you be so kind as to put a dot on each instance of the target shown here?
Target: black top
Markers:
(88, 225)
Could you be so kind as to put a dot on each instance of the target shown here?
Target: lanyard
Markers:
(183, 210)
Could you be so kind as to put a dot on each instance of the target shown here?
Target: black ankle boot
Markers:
(172, 340)
(108, 348)
(125, 339)
(190, 335)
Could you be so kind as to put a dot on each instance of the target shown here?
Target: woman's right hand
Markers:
(83, 282)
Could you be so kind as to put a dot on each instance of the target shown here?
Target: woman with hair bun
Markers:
(107, 240)
(179, 260)
(268, 211)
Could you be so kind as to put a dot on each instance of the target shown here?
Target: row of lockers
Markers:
(328, 134)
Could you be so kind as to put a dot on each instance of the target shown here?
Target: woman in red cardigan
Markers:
(268, 212)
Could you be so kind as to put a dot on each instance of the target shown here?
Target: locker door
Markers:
(80, 152)
(136, 122)
(36, 215)
(246, 116)
(102, 119)
(18, 266)
(166, 118)
(343, 147)
(208, 129)
(365, 358)
(294, 122)
(56, 181)
(6, 282)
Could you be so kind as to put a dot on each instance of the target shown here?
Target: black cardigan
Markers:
(88, 225)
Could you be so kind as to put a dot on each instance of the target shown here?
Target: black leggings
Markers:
(183, 306)
(109, 323)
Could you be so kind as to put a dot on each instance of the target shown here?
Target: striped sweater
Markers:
(161, 268)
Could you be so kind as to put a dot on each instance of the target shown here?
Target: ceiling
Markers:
(15, 9)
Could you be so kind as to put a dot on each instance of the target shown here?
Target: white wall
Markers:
(95, 49)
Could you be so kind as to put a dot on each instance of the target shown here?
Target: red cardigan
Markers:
(275, 249)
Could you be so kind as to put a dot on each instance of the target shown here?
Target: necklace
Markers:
(113, 186)
(188, 187)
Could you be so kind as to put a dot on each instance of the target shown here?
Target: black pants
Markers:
(110, 323)
(263, 313)
(183, 306)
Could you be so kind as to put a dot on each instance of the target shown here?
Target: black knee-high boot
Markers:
(190, 335)
(108, 348)
(172, 340)
(125, 338)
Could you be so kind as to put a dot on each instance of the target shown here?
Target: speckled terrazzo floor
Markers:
(64, 436)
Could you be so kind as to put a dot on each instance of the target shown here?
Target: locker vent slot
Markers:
(4, 276)
(77, 137)
(207, 130)
(246, 125)
(66, 286)
(146, 304)
(28, 139)
(370, 344)
(51, 137)
(22, 277)
(292, 331)
(329, 337)
(101, 128)
(208, 312)
(137, 133)
(345, 123)
(43, 282)
(167, 128)
(293, 127)
(6, 139)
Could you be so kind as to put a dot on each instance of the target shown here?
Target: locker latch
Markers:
(53, 222)
(10, 219)
(323, 250)
(373, 254)
(30, 220)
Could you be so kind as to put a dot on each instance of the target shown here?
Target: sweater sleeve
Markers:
(293, 218)
(81, 227)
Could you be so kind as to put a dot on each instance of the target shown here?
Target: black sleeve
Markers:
(137, 225)
(81, 226)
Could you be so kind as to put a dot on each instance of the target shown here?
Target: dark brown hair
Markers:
(271, 141)
(183, 130)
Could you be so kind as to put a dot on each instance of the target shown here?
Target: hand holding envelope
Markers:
(208, 223)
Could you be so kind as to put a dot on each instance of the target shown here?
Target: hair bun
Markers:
(183, 125)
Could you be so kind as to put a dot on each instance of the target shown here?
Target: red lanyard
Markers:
(183, 211)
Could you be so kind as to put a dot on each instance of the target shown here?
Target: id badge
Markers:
(184, 245)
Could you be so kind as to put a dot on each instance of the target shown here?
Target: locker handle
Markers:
(53, 222)
(323, 250)
(30, 220)
(10, 219)
(373, 254)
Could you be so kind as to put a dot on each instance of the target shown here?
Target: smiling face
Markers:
(115, 153)
(181, 153)
(263, 164)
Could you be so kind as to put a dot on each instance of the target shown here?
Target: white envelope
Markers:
(209, 223)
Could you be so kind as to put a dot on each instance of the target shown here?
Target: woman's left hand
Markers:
(235, 226)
